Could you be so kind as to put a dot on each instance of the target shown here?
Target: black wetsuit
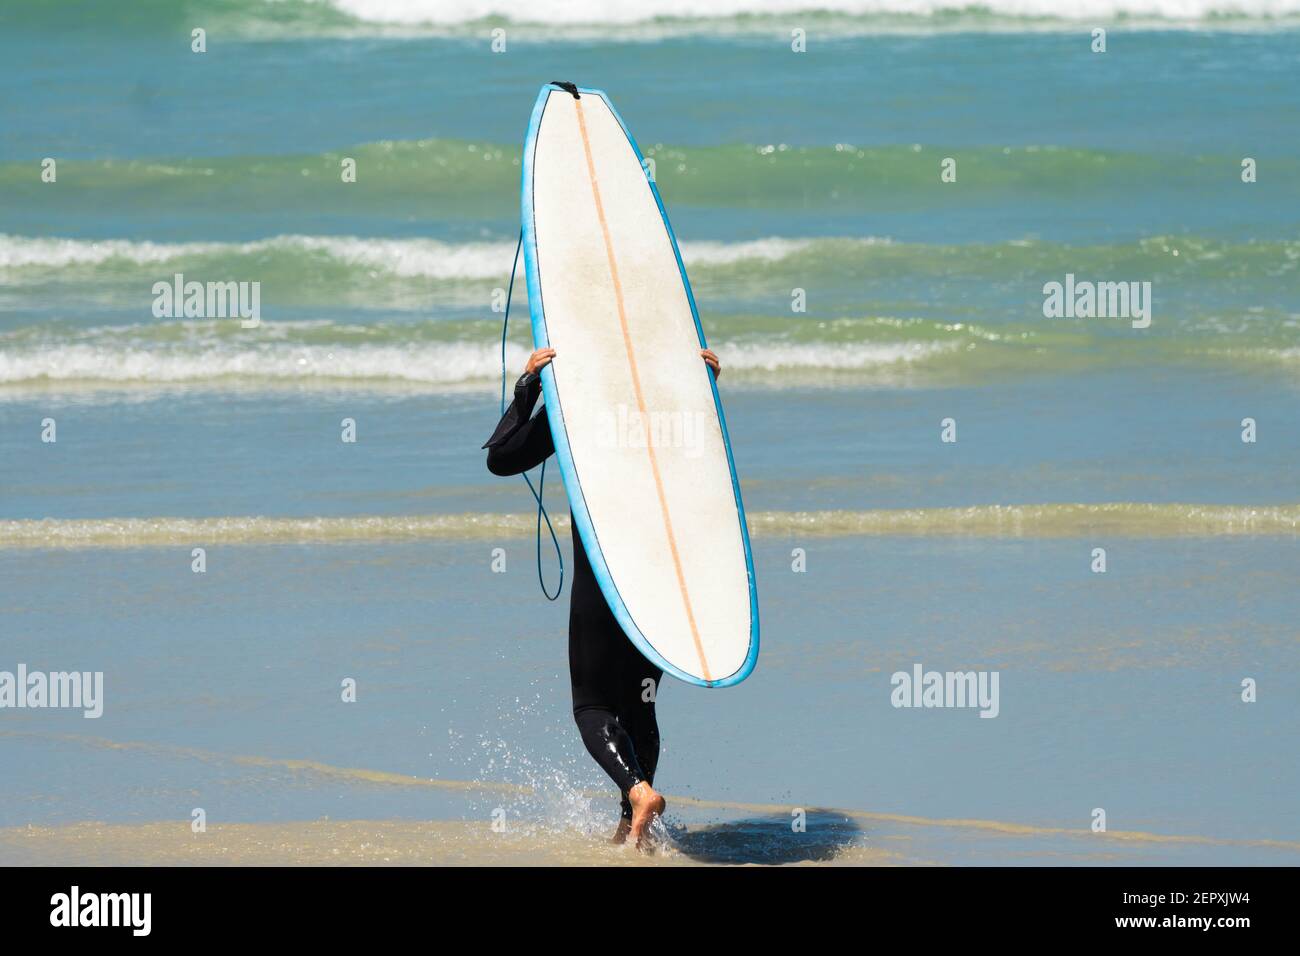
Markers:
(614, 686)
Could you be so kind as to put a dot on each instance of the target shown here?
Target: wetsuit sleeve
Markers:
(519, 442)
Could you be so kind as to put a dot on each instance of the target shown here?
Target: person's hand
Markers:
(711, 361)
(539, 360)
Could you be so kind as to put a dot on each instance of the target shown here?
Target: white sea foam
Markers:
(772, 249)
(831, 356)
(411, 258)
(19, 251)
(1063, 520)
(451, 12)
(211, 358)
(436, 364)
(407, 258)
(403, 257)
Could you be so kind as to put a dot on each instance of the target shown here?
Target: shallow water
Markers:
(1103, 680)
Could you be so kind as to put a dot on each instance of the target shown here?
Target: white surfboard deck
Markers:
(639, 432)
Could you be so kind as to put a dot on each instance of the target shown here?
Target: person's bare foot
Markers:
(620, 834)
(646, 805)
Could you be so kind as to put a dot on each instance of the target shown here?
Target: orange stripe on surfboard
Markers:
(640, 396)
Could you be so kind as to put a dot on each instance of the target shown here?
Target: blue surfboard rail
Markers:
(555, 412)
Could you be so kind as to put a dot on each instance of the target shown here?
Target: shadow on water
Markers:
(768, 840)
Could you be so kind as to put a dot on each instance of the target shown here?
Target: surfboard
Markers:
(640, 437)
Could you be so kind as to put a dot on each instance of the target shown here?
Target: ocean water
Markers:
(922, 302)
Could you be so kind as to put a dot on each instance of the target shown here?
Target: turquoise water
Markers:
(781, 171)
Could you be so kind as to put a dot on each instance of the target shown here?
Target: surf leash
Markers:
(541, 478)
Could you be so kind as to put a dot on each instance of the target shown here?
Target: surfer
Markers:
(613, 685)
